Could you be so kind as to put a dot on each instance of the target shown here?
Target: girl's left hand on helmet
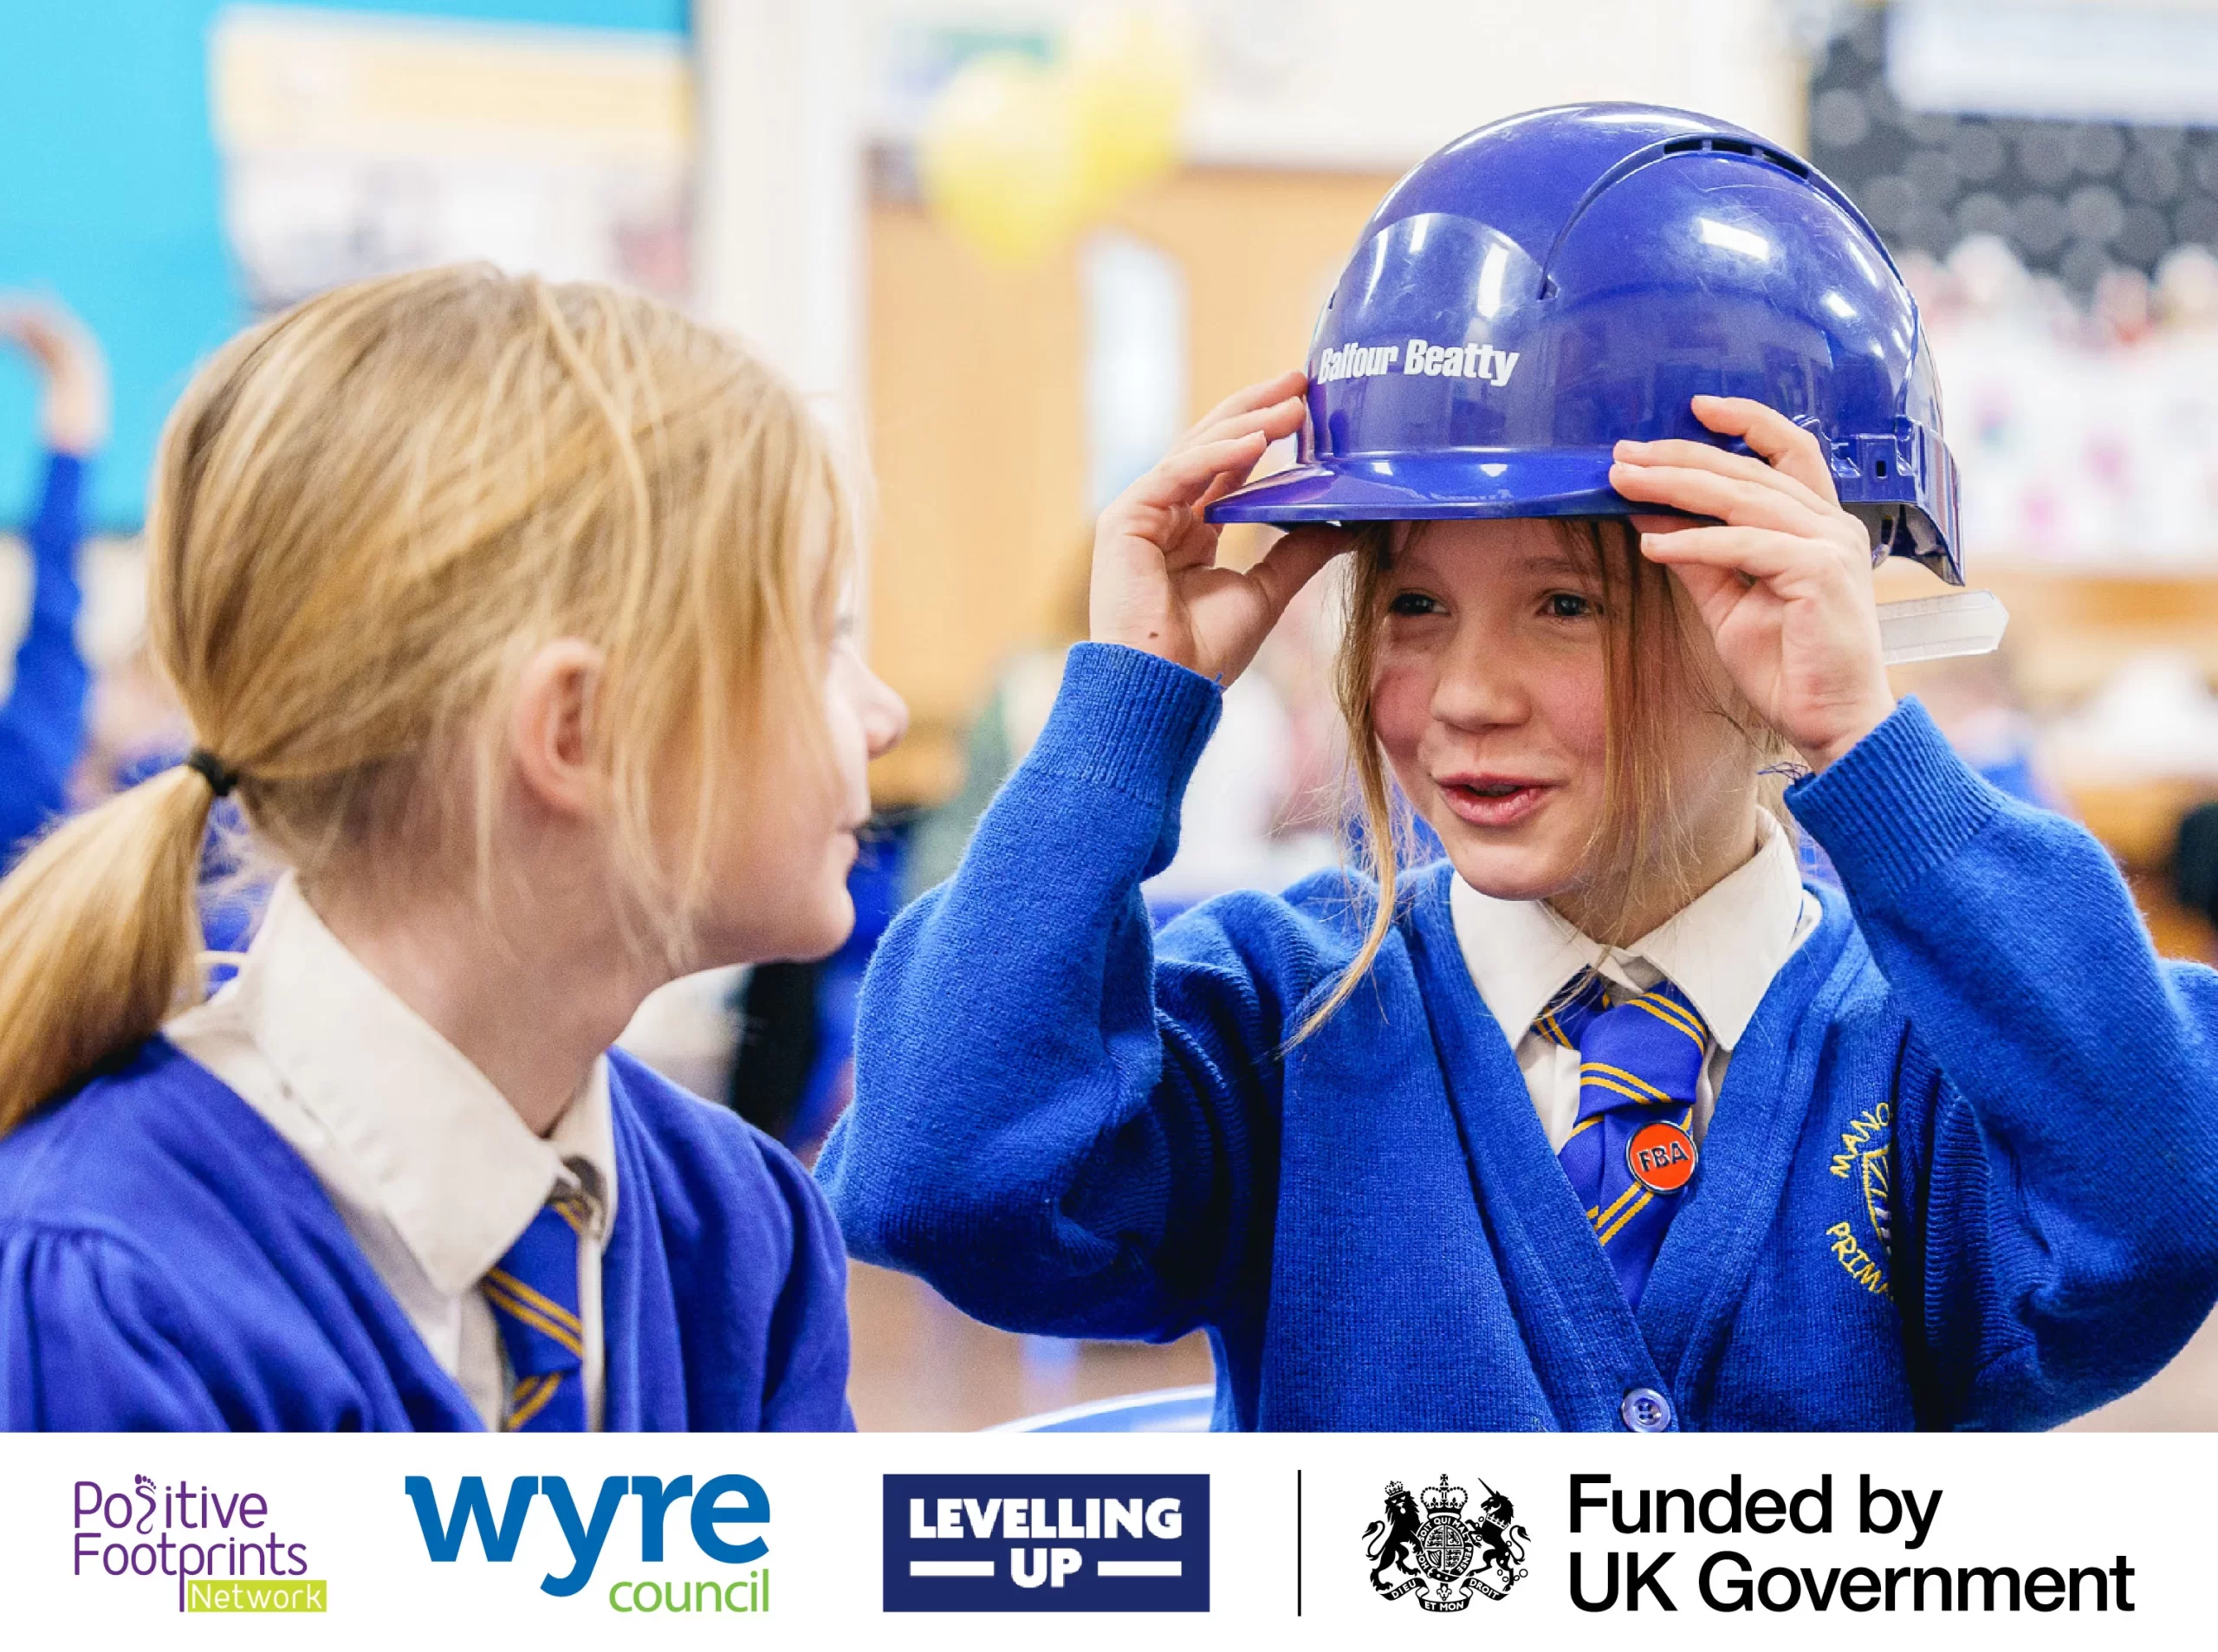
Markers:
(1157, 585)
(1784, 581)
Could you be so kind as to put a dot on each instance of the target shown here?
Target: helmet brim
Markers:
(1461, 483)
(1476, 484)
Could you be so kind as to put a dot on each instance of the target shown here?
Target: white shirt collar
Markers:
(455, 1169)
(1721, 949)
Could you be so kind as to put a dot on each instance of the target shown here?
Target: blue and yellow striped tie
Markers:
(1639, 1057)
(534, 1293)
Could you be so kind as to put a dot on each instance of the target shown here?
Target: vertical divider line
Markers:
(1297, 1543)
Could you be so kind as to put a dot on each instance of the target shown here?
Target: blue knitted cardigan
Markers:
(1961, 1174)
(168, 1262)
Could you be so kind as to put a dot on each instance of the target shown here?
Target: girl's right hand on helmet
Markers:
(1157, 584)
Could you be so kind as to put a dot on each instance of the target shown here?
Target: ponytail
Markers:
(99, 937)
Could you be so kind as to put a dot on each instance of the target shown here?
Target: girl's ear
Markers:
(550, 726)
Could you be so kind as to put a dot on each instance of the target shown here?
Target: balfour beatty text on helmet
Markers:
(1418, 359)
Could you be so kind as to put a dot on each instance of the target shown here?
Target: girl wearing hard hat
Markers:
(1606, 1121)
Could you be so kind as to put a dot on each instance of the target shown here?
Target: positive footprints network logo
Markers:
(222, 1547)
(1439, 1553)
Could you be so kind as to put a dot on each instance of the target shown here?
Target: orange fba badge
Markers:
(1661, 1156)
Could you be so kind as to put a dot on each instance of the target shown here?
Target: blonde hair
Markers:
(1647, 666)
(366, 515)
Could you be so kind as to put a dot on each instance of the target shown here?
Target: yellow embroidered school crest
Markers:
(1864, 1160)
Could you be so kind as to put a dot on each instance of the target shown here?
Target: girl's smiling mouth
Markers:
(1493, 800)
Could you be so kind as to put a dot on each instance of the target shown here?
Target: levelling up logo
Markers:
(1046, 1543)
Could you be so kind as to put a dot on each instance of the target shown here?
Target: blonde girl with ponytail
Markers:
(512, 616)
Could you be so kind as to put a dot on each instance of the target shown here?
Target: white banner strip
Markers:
(969, 1540)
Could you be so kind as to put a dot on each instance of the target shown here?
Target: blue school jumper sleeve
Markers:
(42, 724)
(1103, 1123)
(1071, 1127)
(2058, 1086)
(167, 1261)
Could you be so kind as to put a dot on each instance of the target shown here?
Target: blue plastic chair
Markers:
(1165, 1411)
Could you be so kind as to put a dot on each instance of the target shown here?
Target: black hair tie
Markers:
(221, 779)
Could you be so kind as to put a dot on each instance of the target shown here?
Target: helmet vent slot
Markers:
(1793, 165)
(1778, 158)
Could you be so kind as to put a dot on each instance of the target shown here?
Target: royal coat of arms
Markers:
(1444, 1557)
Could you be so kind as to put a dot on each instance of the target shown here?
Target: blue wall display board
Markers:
(109, 198)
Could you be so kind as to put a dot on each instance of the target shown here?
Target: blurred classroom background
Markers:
(1013, 247)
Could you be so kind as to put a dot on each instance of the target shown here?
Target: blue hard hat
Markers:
(1551, 284)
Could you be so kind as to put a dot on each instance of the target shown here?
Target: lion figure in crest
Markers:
(1392, 1541)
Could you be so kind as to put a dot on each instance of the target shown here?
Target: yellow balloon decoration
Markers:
(1015, 156)
(1131, 72)
(999, 158)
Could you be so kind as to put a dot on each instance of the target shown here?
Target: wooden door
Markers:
(978, 424)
